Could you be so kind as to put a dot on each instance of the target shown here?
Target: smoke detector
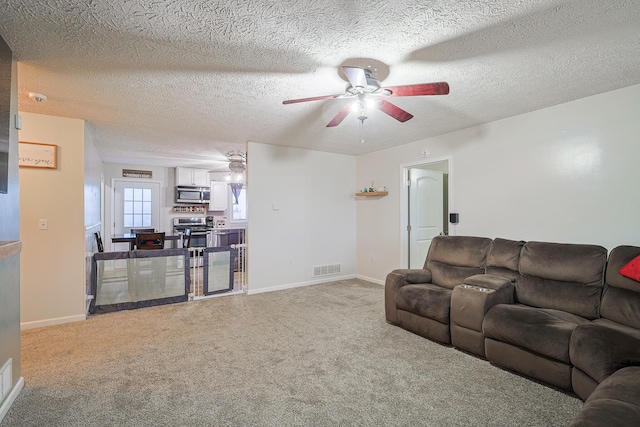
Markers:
(38, 97)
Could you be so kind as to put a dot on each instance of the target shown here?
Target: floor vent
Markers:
(323, 270)
(5, 379)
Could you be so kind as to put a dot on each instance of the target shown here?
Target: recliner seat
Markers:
(419, 300)
(612, 342)
(558, 288)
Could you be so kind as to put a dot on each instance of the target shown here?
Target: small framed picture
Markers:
(37, 155)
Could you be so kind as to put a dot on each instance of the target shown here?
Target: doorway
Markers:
(136, 204)
(426, 198)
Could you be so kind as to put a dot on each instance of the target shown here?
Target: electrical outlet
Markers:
(373, 258)
(290, 262)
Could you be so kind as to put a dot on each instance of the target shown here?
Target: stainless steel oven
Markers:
(200, 232)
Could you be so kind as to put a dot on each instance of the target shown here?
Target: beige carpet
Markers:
(320, 355)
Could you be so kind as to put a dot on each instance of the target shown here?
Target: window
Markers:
(137, 207)
(239, 210)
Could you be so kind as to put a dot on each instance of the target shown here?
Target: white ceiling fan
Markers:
(366, 91)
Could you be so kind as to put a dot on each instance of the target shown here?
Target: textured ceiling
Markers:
(178, 82)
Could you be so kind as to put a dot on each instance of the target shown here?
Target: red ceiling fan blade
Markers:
(315, 98)
(420, 89)
(394, 111)
(340, 116)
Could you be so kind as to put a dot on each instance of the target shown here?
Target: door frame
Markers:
(404, 201)
(161, 206)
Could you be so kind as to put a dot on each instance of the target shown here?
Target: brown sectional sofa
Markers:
(559, 313)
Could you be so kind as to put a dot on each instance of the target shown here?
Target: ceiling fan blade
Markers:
(420, 89)
(340, 116)
(356, 76)
(394, 111)
(315, 98)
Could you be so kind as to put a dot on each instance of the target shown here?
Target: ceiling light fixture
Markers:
(38, 97)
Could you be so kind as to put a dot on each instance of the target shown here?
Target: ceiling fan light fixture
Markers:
(370, 103)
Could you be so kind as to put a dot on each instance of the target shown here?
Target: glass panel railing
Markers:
(218, 269)
(133, 279)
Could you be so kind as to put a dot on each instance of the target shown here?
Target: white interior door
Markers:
(136, 205)
(426, 210)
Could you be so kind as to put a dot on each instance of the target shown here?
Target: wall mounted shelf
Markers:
(373, 193)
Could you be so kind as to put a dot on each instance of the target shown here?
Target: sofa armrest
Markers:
(599, 349)
(394, 281)
(414, 275)
(471, 300)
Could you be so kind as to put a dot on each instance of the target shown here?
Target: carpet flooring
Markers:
(321, 355)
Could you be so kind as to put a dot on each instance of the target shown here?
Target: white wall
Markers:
(92, 182)
(301, 208)
(566, 174)
(52, 267)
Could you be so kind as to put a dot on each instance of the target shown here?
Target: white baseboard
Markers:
(51, 322)
(370, 279)
(299, 284)
(15, 391)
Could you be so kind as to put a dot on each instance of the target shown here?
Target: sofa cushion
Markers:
(601, 347)
(618, 258)
(542, 331)
(621, 296)
(615, 402)
(621, 306)
(451, 259)
(566, 277)
(426, 300)
(504, 257)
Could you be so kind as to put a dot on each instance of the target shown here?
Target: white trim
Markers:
(370, 279)
(15, 391)
(300, 284)
(51, 322)
(403, 200)
(89, 227)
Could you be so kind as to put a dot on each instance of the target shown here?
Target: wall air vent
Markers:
(323, 270)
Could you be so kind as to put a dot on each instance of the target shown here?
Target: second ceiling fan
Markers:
(368, 93)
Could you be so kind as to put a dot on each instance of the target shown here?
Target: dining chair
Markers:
(99, 241)
(186, 240)
(142, 230)
(149, 241)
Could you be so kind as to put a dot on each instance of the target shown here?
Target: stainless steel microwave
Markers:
(188, 194)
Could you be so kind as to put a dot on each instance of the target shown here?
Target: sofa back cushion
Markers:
(451, 259)
(504, 257)
(621, 297)
(562, 276)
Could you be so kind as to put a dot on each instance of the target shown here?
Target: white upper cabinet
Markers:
(219, 196)
(192, 176)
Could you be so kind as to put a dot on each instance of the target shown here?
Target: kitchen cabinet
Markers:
(219, 196)
(192, 176)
